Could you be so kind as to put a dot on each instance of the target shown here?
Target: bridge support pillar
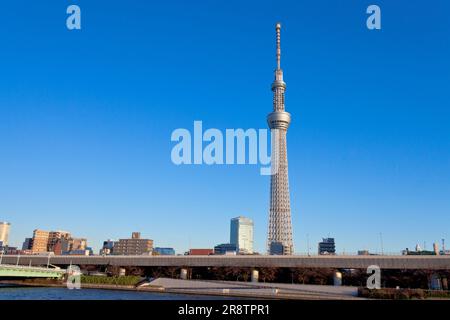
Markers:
(435, 282)
(337, 279)
(184, 274)
(444, 283)
(255, 275)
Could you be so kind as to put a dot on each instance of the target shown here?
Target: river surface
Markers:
(42, 293)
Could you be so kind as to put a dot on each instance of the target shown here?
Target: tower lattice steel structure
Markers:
(279, 238)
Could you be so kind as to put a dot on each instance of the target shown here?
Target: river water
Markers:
(41, 293)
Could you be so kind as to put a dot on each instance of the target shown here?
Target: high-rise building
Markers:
(280, 225)
(133, 246)
(27, 244)
(327, 246)
(58, 242)
(241, 234)
(79, 243)
(4, 233)
(73, 244)
(40, 241)
(54, 240)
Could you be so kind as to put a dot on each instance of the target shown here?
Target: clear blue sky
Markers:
(86, 118)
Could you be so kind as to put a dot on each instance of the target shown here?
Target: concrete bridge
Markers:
(13, 271)
(338, 262)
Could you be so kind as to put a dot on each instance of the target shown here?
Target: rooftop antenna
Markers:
(278, 28)
(307, 242)
(381, 242)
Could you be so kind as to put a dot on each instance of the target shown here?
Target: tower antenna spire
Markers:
(278, 29)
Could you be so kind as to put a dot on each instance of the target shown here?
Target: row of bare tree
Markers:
(322, 276)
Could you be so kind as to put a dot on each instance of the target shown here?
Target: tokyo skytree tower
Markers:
(279, 238)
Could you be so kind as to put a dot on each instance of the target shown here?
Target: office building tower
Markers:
(40, 241)
(4, 233)
(241, 234)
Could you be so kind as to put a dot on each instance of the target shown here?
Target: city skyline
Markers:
(436, 245)
(85, 148)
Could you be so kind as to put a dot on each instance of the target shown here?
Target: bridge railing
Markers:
(24, 267)
(345, 253)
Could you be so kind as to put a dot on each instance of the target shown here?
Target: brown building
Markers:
(54, 240)
(39, 242)
(73, 244)
(58, 242)
(133, 246)
(201, 252)
(57, 248)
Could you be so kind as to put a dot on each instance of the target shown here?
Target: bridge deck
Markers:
(384, 262)
(14, 271)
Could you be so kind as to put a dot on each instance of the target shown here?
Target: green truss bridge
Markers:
(8, 271)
